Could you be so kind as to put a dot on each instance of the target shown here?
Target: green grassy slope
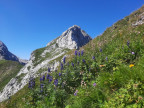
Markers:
(114, 79)
(8, 70)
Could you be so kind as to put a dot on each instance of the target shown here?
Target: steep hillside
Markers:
(105, 73)
(49, 56)
(8, 70)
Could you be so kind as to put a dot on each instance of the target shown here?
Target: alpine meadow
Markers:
(76, 71)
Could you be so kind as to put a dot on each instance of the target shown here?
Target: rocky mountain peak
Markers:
(74, 27)
(6, 55)
(73, 38)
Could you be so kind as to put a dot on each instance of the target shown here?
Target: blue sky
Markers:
(26, 25)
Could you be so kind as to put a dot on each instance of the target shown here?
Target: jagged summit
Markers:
(6, 55)
(73, 38)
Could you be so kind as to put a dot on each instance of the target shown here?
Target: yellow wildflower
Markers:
(102, 65)
(131, 65)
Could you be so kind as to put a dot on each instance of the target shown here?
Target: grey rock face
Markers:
(73, 38)
(6, 55)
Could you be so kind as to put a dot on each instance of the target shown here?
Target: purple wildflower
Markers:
(43, 78)
(48, 69)
(82, 52)
(60, 74)
(72, 64)
(100, 50)
(132, 53)
(128, 43)
(93, 57)
(76, 53)
(83, 60)
(31, 82)
(106, 58)
(56, 82)
(76, 92)
(56, 70)
(50, 79)
(62, 66)
(64, 60)
(48, 76)
(94, 84)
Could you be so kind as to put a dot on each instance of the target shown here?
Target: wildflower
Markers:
(132, 53)
(56, 70)
(43, 78)
(94, 84)
(102, 65)
(128, 43)
(62, 66)
(83, 60)
(50, 79)
(64, 60)
(93, 57)
(76, 53)
(82, 52)
(106, 58)
(56, 82)
(72, 64)
(48, 69)
(48, 76)
(59, 74)
(131, 65)
(100, 50)
(41, 87)
(31, 82)
(76, 92)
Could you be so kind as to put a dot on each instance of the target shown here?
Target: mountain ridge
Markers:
(40, 59)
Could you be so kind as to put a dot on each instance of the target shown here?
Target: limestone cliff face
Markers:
(73, 38)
